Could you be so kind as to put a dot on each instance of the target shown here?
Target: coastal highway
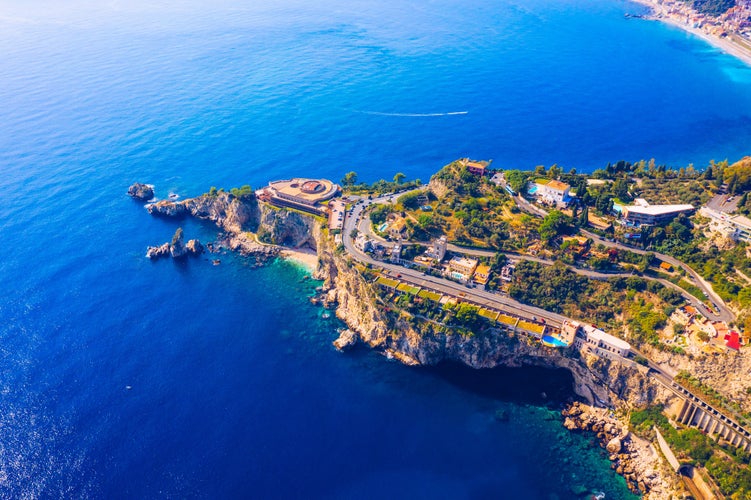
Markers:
(723, 314)
(418, 278)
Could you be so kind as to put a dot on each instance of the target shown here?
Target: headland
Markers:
(493, 267)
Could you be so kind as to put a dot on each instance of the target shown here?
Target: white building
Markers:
(642, 212)
(396, 252)
(736, 227)
(437, 250)
(363, 243)
(552, 191)
(602, 343)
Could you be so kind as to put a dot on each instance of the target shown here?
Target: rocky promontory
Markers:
(141, 191)
(254, 228)
(229, 212)
(249, 228)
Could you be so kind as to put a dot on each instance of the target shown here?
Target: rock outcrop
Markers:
(194, 247)
(229, 212)
(176, 249)
(141, 191)
(158, 252)
(347, 338)
(633, 458)
(240, 217)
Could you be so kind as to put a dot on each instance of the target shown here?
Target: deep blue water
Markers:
(235, 388)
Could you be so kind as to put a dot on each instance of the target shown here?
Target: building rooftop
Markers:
(463, 262)
(309, 190)
(598, 334)
(558, 185)
(483, 269)
(658, 209)
(741, 220)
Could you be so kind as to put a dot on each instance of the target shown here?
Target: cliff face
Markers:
(240, 217)
(287, 228)
(726, 372)
(358, 306)
(229, 212)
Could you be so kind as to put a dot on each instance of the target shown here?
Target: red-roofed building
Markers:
(733, 341)
(476, 167)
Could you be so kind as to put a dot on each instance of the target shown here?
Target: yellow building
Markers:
(482, 274)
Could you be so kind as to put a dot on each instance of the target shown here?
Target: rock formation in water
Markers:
(177, 248)
(141, 191)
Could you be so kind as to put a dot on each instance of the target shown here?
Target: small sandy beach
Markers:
(725, 44)
(306, 257)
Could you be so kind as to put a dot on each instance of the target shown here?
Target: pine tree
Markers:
(584, 217)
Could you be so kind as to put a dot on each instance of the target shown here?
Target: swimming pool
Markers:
(553, 341)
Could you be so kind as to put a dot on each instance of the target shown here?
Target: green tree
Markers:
(425, 221)
(620, 189)
(555, 223)
(379, 214)
(399, 177)
(604, 203)
(349, 179)
(709, 172)
(554, 172)
(409, 200)
(497, 262)
(517, 180)
(466, 314)
(584, 217)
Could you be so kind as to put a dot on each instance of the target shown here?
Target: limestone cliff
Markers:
(596, 379)
(229, 212)
(244, 221)
(357, 305)
(287, 228)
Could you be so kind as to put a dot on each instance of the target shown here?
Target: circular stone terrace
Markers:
(309, 191)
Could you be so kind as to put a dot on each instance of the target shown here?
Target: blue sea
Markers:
(125, 378)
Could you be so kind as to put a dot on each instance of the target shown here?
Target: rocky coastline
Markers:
(633, 458)
(241, 220)
(598, 381)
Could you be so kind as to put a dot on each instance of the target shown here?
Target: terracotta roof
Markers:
(558, 185)
(733, 341)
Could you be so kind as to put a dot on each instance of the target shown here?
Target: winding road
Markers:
(355, 221)
(418, 278)
(724, 313)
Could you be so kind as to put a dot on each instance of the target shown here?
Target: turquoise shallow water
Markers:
(235, 390)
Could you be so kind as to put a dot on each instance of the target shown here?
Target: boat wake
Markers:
(409, 115)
